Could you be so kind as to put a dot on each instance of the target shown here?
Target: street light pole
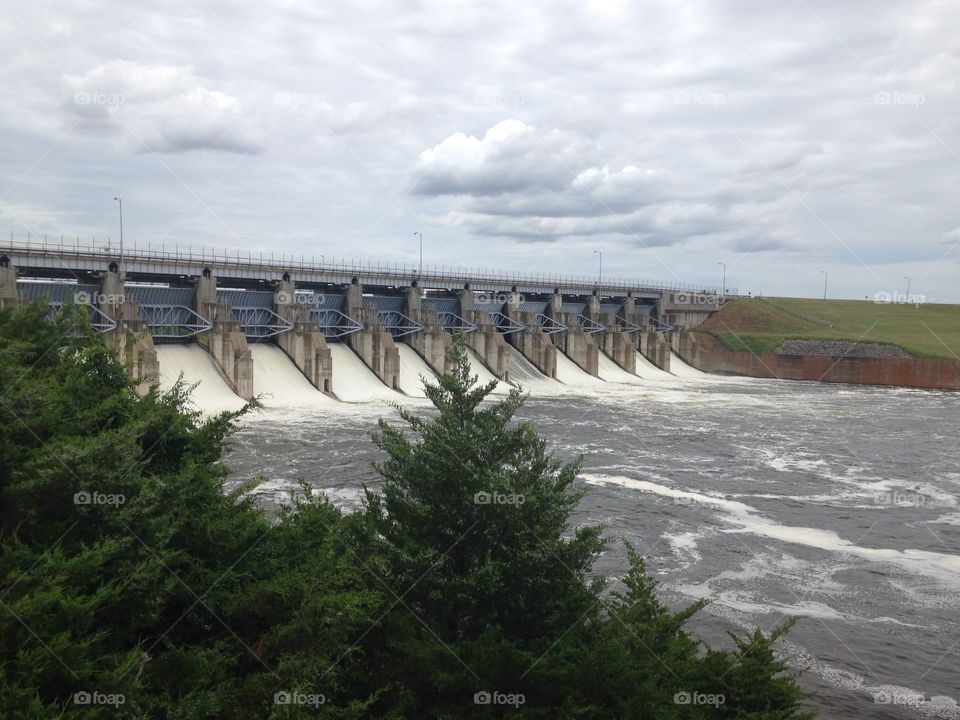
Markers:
(119, 200)
(826, 276)
(907, 278)
(420, 267)
(600, 273)
(724, 278)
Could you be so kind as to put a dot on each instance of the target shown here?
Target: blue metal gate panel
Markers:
(246, 298)
(57, 292)
(384, 303)
(441, 305)
(534, 306)
(158, 295)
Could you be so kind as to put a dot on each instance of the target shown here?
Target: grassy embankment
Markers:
(762, 324)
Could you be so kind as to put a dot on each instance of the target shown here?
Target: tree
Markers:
(473, 520)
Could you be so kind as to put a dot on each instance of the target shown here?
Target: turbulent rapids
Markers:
(744, 491)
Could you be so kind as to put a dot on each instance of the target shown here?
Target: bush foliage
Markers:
(461, 590)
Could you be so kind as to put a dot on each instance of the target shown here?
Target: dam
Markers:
(295, 332)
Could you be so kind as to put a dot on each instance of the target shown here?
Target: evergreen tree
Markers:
(127, 570)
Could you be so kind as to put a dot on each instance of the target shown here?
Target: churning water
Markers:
(833, 502)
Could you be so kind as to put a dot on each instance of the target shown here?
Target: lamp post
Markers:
(600, 273)
(420, 267)
(724, 295)
(826, 276)
(907, 278)
(119, 200)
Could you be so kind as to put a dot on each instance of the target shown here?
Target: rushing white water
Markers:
(478, 368)
(943, 567)
(212, 394)
(523, 373)
(280, 384)
(569, 373)
(413, 370)
(679, 368)
(611, 372)
(355, 382)
(648, 371)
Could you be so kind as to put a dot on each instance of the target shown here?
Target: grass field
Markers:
(762, 324)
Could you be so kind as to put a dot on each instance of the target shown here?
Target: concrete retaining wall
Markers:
(705, 353)
(226, 341)
(131, 339)
(621, 348)
(655, 347)
(433, 342)
(305, 344)
(374, 344)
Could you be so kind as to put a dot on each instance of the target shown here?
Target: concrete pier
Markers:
(433, 342)
(655, 347)
(489, 344)
(575, 342)
(305, 344)
(688, 309)
(131, 339)
(535, 344)
(226, 341)
(373, 344)
(619, 344)
(8, 284)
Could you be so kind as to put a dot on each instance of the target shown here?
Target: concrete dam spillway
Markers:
(279, 384)
(308, 335)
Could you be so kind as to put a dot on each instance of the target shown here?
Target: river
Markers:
(836, 503)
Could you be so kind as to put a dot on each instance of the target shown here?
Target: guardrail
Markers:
(287, 262)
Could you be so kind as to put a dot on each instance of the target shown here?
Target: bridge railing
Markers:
(288, 262)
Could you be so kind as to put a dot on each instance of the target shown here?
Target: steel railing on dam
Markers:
(37, 255)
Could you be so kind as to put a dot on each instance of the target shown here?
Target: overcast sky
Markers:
(782, 138)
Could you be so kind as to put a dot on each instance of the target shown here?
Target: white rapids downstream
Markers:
(769, 498)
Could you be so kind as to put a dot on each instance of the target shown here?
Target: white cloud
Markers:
(159, 108)
(742, 131)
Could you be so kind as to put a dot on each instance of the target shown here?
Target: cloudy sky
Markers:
(782, 138)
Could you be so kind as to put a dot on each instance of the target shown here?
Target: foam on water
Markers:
(484, 376)
(942, 567)
(279, 384)
(212, 394)
(413, 369)
(523, 373)
(679, 368)
(648, 371)
(569, 373)
(355, 382)
(611, 372)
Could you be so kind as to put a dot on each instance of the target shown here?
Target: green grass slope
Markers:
(762, 324)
